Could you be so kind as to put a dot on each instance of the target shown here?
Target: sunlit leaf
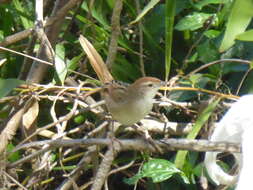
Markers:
(158, 170)
(203, 3)
(245, 36)
(147, 8)
(238, 21)
(60, 65)
(212, 33)
(193, 22)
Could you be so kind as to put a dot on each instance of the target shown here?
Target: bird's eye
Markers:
(150, 85)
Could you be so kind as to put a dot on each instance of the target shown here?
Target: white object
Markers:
(236, 126)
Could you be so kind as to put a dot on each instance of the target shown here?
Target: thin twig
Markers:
(115, 25)
(243, 79)
(218, 62)
(14, 180)
(25, 55)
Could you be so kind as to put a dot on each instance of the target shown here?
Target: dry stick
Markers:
(218, 62)
(170, 144)
(61, 8)
(62, 119)
(51, 20)
(115, 25)
(39, 10)
(229, 96)
(13, 179)
(27, 63)
(127, 144)
(29, 157)
(42, 61)
(37, 70)
(28, 56)
(122, 167)
(105, 166)
(16, 37)
(243, 79)
(62, 11)
(82, 165)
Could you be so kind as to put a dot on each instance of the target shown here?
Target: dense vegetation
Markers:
(202, 46)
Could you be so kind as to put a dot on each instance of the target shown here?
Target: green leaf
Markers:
(133, 180)
(79, 119)
(1, 35)
(24, 19)
(212, 33)
(238, 21)
(158, 170)
(207, 52)
(73, 63)
(6, 86)
(203, 3)
(97, 15)
(245, 36)
(251, 65)
(202, 119)
(13, 156)
(147, 8)
(60, 66)
(169, 23)
(194, 21)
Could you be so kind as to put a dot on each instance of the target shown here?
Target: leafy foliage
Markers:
(204, 44)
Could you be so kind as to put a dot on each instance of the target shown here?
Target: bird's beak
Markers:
(163, 85)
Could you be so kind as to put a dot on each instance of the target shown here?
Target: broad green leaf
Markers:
(97, 15)
(6, 86)
(73, 63)
(60, 66)
(238, 21)
(147, 8)
(245, 36)
(158, 170)
(202, 119)
(212, 33)
(194, 21)
(13, 156)
(203, 3)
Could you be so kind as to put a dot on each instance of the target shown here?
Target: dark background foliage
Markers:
(194, 36)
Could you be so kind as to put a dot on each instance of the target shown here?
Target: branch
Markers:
(104, 168)
(140, 145)
(115, 23)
